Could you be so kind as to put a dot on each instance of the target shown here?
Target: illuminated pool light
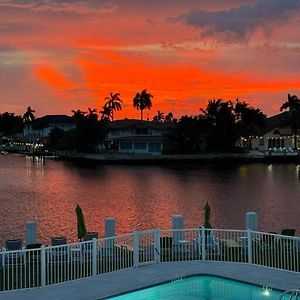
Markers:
(266, 291)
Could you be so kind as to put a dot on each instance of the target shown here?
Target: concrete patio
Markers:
(127, 280)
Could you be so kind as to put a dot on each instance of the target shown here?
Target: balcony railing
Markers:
(50, 265)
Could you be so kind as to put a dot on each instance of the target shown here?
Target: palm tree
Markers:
(169, 118)
(219, 119)
(92, 115)
(159, 117)
(10, 124)
(106, 113)
(248, 119)
(114, 102)
(142, 101)
(29, 115)
(293, 105)
(78, 115)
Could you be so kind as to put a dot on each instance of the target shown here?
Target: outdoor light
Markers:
(266, 291)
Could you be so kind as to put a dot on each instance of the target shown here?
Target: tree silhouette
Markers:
(186, 135)
(220, 121)
(113, 102)
(92, 115)
(217, 128)
(169, 118)
(248, 119)
(29, 115)
(10, 124)
(293, 105)
(85, 138)
(106, 113)
(159, 117)
(78, 115)
(142, 101)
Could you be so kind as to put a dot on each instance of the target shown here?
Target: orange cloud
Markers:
(55, 79)
(82, 57)
(178, 87)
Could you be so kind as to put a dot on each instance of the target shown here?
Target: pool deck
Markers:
(132, 279)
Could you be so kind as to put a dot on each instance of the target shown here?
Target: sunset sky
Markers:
(59, 55)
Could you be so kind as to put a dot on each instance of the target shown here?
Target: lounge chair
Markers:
(210, 242)
(33, 246)
(288, 232)
(58, 241)
(59, 253)
(166, 245)
(12, 253)
(87, 248)
(13, 245)
(90, 236)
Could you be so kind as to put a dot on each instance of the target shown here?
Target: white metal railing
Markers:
(29, 268)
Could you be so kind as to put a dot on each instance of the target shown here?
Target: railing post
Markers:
(94, 256)
(3, 256)
(203, 243)
(43, 266)
(136, 258)
(157, 245)
(249, 245)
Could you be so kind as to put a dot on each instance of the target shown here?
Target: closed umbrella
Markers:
(81, 228)
(207, 213)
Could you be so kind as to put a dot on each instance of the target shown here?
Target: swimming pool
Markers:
(202, 288)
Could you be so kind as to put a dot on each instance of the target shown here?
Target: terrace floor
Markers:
(126, 280)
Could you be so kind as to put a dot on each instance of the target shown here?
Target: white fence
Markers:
(29, 268)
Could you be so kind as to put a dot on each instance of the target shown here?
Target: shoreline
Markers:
(118, 158)
(160, 159)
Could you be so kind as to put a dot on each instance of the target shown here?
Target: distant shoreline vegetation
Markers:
(223, 126)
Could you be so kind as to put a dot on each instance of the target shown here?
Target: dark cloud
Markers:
(78, 6)
(87, 6)
(238, 23)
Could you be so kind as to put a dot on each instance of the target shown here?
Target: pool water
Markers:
(202, 288)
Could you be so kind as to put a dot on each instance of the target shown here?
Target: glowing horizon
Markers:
(60, 55)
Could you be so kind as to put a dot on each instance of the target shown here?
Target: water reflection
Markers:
(203, 287)
(34, 164)
(297, 172)
(142, 197)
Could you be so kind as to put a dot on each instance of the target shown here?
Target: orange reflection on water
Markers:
(142, 197)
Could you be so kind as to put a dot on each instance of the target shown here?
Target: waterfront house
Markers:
(4, 140)
(42, 127)
(275, 136)
(137, 136)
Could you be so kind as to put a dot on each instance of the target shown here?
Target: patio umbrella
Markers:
(81, 228)
(207, 212)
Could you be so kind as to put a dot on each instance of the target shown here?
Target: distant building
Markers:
(42, 127)
(136, 136)
(4, 140)
(276, 136)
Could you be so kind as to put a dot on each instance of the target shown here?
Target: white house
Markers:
(136, 136)
(42, 127)
(276, 136)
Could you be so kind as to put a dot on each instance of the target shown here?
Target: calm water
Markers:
(143, 197)
(203, 288)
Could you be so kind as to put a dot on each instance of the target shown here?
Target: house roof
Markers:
(132, 123)
(280, 120)
(56, 119)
